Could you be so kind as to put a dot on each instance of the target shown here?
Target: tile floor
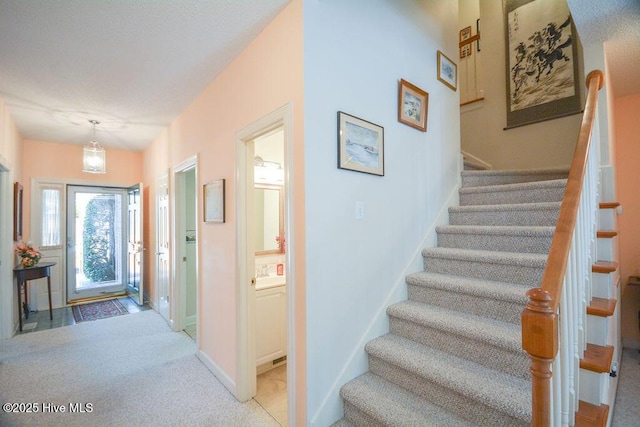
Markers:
(39, 320)
(272, 393)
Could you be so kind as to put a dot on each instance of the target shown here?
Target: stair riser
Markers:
(358, 417)
(478, 180)
(542, 217)
(598, 330)
(594, 387)
(601, 285)
(554, 194)
(524, 275)
(607, 219)
(452, 401)
(505, 360)
(522, 244)
(606, 249)
(505, 311)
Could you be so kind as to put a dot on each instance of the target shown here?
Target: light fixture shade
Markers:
(94, 159)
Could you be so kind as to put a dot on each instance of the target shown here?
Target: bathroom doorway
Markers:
(271, 283)
(266, 331)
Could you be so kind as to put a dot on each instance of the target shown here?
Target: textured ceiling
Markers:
(616, 23)
(134, 65)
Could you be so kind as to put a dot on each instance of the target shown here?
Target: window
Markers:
(50, 217)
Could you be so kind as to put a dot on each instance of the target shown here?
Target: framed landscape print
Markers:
(360, 145)
(447, 71)
(543, 80)
(413, 105)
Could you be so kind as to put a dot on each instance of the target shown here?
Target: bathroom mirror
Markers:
(269, 219)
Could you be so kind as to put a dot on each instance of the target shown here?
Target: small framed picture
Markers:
(413, 105)
(360, 145)
(465, 34)
(214, 201)
(447, 71)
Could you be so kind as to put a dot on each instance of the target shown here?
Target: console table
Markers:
(24, 275)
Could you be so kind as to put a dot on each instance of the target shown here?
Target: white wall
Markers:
(354, 58)
(546, 144)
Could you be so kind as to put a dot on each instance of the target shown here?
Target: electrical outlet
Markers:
(359, 212)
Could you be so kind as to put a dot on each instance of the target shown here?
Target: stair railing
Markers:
(554, 319)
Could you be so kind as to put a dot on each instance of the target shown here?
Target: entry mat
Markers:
(98, 310)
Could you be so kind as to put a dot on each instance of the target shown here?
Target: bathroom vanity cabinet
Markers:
(271, 324)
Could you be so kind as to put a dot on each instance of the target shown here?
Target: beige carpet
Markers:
(133, 370)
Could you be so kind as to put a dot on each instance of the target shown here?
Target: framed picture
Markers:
(465, 34)
(17, 212)
(447, 71)
(542, 62)
(360, 145)
(413, 105)
(214, 201)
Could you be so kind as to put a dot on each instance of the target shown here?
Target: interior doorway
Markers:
(186, 247)
(266, 285)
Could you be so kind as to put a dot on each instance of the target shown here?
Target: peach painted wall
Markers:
(11, 167)
(64, 162)
(265, 76)
(627, 129)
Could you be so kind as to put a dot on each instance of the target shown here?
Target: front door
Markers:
(135, 258)
(96, 236)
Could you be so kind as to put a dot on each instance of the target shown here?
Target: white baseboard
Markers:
(217, 372)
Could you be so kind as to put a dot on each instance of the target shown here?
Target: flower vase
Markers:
(29, 262)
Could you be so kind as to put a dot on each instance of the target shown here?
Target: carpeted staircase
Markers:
(453, 355)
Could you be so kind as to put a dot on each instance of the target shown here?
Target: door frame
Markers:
(245, 325)
(178, 302)
(8, 288)
(69, 200)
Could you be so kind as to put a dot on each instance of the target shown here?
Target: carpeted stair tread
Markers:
(493, 332)
(392, 405)
(513, 214)
(526, 192)
(496, 177)
(497, 230)
(468, 285)
(522, 239)
(495, 300)
(506, 393)
(493, 257)
(343, 422)
(522, 268)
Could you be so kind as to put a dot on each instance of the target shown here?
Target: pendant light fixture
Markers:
(93, 155)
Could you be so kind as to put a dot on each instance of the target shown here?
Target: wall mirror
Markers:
(269, 219)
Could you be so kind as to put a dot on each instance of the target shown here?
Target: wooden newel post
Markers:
(540, 341)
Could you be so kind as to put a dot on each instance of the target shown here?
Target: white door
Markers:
(96, 236)
(135, 258)
(163, 266)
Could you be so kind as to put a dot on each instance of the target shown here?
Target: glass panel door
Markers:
(135, 259)
(96, 249)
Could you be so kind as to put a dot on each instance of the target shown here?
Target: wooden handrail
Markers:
(540, 316)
